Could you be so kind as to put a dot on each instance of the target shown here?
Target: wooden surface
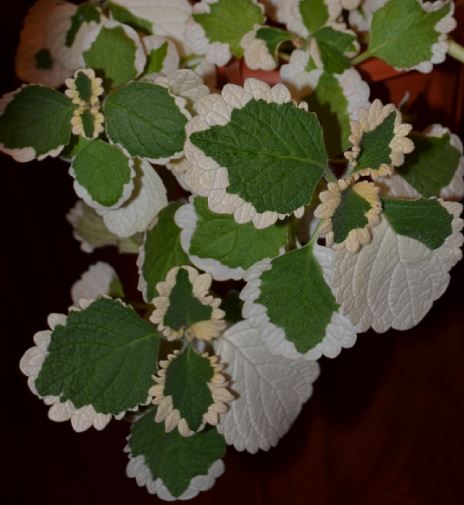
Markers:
(385, 425)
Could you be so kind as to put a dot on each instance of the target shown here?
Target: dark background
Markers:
(385, 425)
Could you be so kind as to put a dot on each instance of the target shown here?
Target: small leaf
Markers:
(274, 37)
(96, 363)
(178, 467)
(227, 21)
(315, 13)
(156, 58)
(35, 122)
(99, 280)
(393, 281)
(91, 232)
(333, 47)
(408, 41)
(161, 251)
(270, 390)
(85, 13)
(103, 175)
(216, 243)
(115, 53)
(291, 301)
(136, 118)
(185, 309)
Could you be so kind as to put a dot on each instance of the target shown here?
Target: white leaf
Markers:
(271, 389)
(393, 281)
(138, 213)
(95, 282)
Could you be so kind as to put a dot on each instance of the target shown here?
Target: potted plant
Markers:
(328, 213)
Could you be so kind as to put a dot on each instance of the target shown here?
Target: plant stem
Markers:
(361, 57)
(329, 175)
(456, 50)
(284, 56)
(292, 233)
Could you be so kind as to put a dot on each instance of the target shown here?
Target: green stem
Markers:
(456, 50)
(315, 235)
(361, 57)
(329, 175)
(284, 56)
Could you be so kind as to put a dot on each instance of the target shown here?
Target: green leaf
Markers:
(91, 231)
(85, 13)
(229, 20)
(375, 145)
(174, 459)
(105, 172)
(220, 237)
(274, 37)
(297, 298)
(37, 118)
(156, 58)
(84, 86)
(315, 14)
(331, 106)
(184, 307)
(187, 378)
(145, 119)
(161, 252)
(432, 164)
(333, 44)
(123, 15)
(350, 214)
(104, 356)
(274, 154)
(424, 220)
(402, 32)
(113, 57)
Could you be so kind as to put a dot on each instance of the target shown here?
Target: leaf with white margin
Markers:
(172, 466)
(136, 118)
(187, 84)
(160, 252)
(138, 213)
(66, 29)
(35, 122)
(100, 46)
(393, 281)
(167, 18)
(94, 364)
(99, 280)
(434, 168)
(90, 230)
(304, 17)
(255, 153)
(418, 24)
(290, 299)
(103, 175)
(360, 19)
(270, 389)
(217, 244)
(162, 55)
(218, 26)
(34, 62)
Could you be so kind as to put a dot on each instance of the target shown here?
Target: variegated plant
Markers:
(330, 210)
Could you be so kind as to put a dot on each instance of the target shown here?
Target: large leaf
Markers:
(290, 299)
(94, 364)
(394, 280)
(170, 465)
(229, 20)
(35, 122)
(216, 243)
(274, 154)
(103, 175)
(146, 120)
(160, 252)
(270, 390)
(403, 32)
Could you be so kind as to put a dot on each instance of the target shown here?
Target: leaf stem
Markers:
(283, 56)
(292, 233)
(456, 51)
(361, 57)
(328, 174)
